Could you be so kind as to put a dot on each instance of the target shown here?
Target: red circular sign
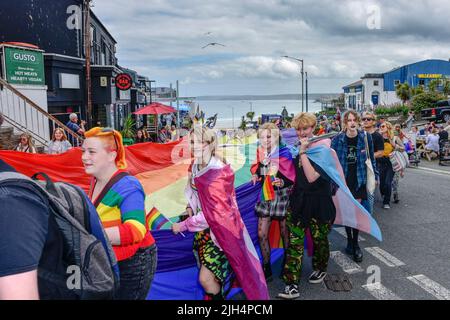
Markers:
(124, 81)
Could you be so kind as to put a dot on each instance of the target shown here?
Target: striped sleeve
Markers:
(132, 208)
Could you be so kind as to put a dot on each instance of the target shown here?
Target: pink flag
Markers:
(218, 201)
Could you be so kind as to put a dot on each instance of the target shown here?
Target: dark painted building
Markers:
(57, 28)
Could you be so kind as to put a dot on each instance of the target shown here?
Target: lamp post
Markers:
(232, 112)
(150, 87)
(306, 84)
(87, 54)
(302, 72)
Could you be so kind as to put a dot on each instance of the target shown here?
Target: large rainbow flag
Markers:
(162, 170)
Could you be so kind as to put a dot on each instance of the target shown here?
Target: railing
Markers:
(26, 116)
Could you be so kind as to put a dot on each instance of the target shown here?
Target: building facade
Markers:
(56, 27)
(379, 89)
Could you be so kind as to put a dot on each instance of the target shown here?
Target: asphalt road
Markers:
(414, 257)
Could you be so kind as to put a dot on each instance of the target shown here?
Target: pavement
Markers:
(412, 261)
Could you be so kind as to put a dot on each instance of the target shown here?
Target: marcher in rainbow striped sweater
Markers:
(275, 169)
(119, 199)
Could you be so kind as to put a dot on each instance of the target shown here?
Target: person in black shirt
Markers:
(350, 147)
(368, 121)
(312, 208)
(23, 234)
(443, 135)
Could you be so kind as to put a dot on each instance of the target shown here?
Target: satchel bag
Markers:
(371, 183)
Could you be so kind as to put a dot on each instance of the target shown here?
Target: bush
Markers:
(392, 110)
(426, 100)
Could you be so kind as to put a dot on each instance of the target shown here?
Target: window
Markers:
(421, 82)
(93, 44)
(103, 52)
(396, 82)
(376, 83)
(111, 55)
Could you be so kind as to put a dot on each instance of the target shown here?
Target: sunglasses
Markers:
(367, 119)
(110, 130)
(383, 126)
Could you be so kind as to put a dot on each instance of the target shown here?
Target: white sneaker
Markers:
(386, 206)
(290, 292)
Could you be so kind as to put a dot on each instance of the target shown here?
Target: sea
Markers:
(230, 112)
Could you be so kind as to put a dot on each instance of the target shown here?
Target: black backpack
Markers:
(78, 261)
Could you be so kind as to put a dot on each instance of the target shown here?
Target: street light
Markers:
(232, 111)
(302, 72)
(150, 87)
(250, 103)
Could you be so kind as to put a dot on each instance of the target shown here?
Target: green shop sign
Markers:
(24, 66)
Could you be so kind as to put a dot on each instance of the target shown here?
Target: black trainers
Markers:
(317, 277)
(290, 292)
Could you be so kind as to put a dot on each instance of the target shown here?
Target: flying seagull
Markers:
(214, 44)
(208, 33)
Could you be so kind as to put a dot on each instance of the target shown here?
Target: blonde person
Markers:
(312, 208)
(59, 143)
(119, 199)
(350, 147)
(221, 240)
(391, 144)
(273, 162)
(25, 144)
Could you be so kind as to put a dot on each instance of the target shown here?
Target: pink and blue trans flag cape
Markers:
(349, 212)
(222, 214)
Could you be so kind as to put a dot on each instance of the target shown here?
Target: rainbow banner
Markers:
(268, 192)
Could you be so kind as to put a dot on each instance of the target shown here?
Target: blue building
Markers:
(379, 89)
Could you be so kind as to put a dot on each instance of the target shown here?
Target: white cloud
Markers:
(163, 38)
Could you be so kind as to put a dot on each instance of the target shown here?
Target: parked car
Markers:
(440, 113)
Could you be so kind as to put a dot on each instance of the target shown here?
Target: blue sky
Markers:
(339, 41)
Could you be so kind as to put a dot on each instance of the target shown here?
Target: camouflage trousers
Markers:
(294, 253)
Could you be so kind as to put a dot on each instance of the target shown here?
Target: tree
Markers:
(446, 88)
(403, 92)
(433, 85)
(250, 115)
(243, 123)
(426, 100)
(417, 90)
(128, 129)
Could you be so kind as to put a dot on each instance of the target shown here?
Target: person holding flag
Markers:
(119, 200)
(275, 169)
(224, 247)
(312, 207)
(320, 179)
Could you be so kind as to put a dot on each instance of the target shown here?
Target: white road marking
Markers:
(442, 172)
(342, 232)
(348, 265)
(432, 287)
(384, 257)
(380, 292)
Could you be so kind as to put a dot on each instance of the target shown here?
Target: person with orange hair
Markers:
(119, 199)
